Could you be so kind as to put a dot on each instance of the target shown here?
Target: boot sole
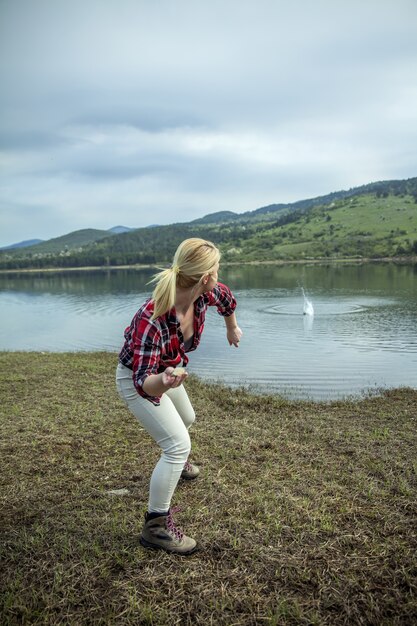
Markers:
(155, 546)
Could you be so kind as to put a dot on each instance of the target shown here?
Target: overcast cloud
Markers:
(143, 112)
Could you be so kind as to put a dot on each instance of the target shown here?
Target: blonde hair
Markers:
(194, 259)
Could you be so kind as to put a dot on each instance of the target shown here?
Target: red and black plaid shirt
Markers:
(153, 345)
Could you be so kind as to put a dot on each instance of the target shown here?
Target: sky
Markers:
(140, 112)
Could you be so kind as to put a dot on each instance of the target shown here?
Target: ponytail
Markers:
(164, 292)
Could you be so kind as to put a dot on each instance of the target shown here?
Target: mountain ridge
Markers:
(270, 211)
(384, 224)
(23, 244)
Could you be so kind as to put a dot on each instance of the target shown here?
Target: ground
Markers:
(304, 512)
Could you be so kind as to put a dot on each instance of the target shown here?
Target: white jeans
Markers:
(168, 425)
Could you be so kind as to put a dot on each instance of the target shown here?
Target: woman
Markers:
(164, 329)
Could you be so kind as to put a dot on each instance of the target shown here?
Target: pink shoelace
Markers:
(171, 524)
(187, 466)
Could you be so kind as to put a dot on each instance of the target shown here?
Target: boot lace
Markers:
(187, 466)
(170, 524)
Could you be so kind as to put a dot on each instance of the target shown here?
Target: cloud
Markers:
(136, 111)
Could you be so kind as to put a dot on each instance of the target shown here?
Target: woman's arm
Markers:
(233, 331)
(224, 300)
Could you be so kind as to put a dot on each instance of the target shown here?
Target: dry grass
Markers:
(305, 512)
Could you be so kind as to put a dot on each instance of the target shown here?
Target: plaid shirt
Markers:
(153, 345)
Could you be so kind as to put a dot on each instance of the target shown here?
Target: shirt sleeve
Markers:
(222, 298)
(146, 356)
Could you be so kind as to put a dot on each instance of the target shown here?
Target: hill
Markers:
(70, 242)
(117, 230)
(377, 220)
(23, 244)
(363, 226)
(214, 218)
(380, 189)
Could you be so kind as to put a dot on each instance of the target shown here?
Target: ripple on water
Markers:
(320, 310)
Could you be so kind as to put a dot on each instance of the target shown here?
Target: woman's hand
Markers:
(157, 384)
(233, 336)
(171, 381)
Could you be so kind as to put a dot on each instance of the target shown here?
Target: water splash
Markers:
(308, 308)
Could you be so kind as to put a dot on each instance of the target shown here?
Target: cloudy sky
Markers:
(139, 112)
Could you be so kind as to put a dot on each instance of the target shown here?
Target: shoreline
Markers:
(250, 389)
(281, 262)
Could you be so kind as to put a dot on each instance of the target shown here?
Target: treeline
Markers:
(142, 246)
(381, 189)
(395, 188)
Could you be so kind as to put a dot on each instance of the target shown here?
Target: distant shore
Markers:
(401, 260)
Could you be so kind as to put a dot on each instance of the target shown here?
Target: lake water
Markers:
(362, 336)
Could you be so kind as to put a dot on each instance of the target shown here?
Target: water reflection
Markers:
(100, 282)
(308, 321)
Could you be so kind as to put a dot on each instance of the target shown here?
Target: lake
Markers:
(362, 336)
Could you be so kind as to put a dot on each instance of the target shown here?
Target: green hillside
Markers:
(72, 241)
(365, 226)
(380, 189)
(378, 220)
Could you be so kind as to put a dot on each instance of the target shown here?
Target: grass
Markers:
(305, 512)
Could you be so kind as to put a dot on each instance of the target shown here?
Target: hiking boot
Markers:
(190, 471)
(161, 533)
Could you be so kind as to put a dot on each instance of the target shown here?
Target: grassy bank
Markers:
(305, 512)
